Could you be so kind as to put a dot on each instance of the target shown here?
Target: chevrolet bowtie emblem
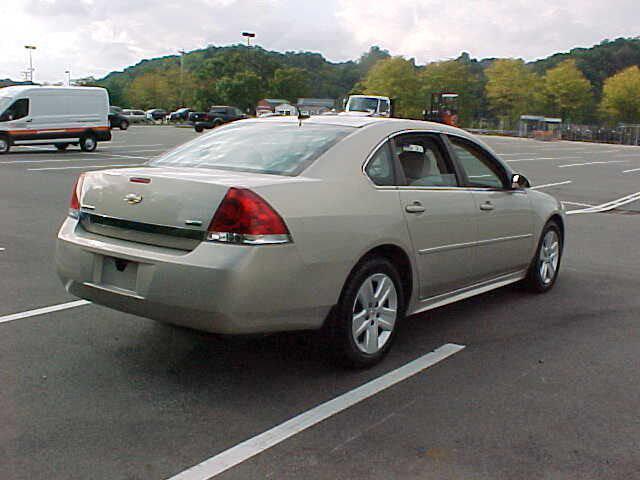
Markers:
(133, 198)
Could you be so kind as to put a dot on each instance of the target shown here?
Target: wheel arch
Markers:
(400, 259)
(557, 218)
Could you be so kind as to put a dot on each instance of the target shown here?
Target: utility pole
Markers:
(182, 53)
(68, 72)
(249, 36)
(31, 48)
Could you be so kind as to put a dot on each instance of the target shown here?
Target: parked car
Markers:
(217, 116)
(59, 116)
(346, 223)
(156, 114)
(134, 116)
(182, 114)
(116, 119)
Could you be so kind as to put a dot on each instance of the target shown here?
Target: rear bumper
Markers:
(218, 288)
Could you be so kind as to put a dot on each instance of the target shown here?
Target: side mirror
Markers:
(519, 181)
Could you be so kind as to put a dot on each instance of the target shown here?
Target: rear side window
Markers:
(18, 109)
(276, 148)
(380, 167)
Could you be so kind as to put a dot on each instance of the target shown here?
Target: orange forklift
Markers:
(443, 108)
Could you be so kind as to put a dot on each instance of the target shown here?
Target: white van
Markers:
(368, 105)
(59, 116)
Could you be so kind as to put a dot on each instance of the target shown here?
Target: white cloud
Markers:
(93, 37)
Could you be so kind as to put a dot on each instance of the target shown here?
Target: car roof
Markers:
(21, 89)
(385, 126)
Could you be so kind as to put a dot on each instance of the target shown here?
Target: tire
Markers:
(5, 144)
(362, 329)
(544, 268)
(88, 142)
(217, 123)
(199, 129)
(124, 125)
(61, 147)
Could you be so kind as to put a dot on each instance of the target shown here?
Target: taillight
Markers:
(245, 217)
(74, 204)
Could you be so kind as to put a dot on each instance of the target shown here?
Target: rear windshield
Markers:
(276, 148)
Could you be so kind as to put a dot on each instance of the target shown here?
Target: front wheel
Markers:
(88, 143)
(124, 125)
(5, 144)
(199, 128)
(364, 323)
(544, 268)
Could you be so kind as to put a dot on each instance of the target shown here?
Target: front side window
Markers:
(384, 106)
(275, 148)
(18, 109)
(481, 170)
(424, 161)
(380, 167)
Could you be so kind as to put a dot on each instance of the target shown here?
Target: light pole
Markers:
(68, 72)
(249, 36)
(31, 48)
(181, 52)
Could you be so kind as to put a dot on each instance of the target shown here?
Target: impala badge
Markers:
(133, 199)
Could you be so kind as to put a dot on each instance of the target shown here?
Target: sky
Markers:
(95, 37)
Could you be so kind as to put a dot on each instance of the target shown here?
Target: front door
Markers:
(504, 216)
(439, 213)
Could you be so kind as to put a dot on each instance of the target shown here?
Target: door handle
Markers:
(29, 121)
(486, 206)
(415, 207)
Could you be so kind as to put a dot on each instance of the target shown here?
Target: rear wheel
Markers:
(88, 143)
(217, 123)
(364, 323)
(5, 144)
(124, 125)
(543, 270)
(199, 128)
(61, 147)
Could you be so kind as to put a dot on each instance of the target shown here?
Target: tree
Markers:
(452, 76)
(370, 58)
(621, 96)
(242, 90)
(511, 88)
(290, 83)
(396, 77)
(567, 92)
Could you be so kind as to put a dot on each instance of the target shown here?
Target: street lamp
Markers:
(182, 54)
(249, 36)
(68, 72)
(31, 48)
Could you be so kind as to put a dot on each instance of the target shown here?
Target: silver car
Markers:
(347, 223)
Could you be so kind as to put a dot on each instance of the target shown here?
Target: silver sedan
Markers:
(346, 223)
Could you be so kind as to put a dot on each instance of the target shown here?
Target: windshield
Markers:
(362, 104)
(276, 148)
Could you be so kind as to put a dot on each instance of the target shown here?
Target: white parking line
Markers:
(590, 163)
(253, 446)
(565, 202)
(605, 207)
(85, 166)
(632, 170)
(536, 187)
(542, 158)
(42, 311)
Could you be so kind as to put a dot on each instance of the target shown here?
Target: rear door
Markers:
(503, 215)
(440, 214)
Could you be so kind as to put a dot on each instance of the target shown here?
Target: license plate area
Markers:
(119, 273)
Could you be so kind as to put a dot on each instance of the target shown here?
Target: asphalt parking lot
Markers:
(546, 386)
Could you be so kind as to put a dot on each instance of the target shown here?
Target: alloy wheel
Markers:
(549, 257)
(375, 311)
